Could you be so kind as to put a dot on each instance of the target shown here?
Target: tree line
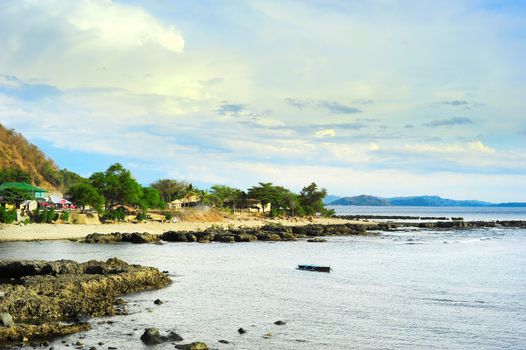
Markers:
(109, 191)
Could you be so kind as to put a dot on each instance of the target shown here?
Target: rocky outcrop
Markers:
(115, 237)
(151, 336)
(38, 294)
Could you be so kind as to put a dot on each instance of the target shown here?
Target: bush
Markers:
(168, 216)
(7, 216)
(65, 216)
(141, 216)
(117, 214)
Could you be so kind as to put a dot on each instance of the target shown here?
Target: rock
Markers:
(222, 341)
(245, 237)
(23, 332)
(44, 293)
(228, 239)
(192, 346)
(316, 240)
(173, 236)
(114, 237)
(158, 302)
(242, 330)
(151, 336)
(6, 320)
(280, 323)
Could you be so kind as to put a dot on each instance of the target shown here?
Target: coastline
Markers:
(43, 232)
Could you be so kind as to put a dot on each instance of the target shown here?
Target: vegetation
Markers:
(7, 216)
(171, 190)
(84, 194)
(117, 186)
(111, 190)
(22, 161)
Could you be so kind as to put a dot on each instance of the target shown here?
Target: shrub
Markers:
(141, 216)
(7, 216)
(117, 214)
(168, 216)
(65, 216)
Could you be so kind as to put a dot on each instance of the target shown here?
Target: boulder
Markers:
(173, 236)
(227, 239)
(280, 323)
(151, 336)
(193, 346)
(245, 237)
(6, 320)
(241, 330)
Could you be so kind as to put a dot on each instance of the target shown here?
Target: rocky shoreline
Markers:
(41, 299)
(231, 235)
(291, 233)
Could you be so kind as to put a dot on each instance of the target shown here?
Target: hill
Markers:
(23, 161)
(363, 200)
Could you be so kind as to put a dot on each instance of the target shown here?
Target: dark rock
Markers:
(245, 237)
(151, 336)
(48, 292)
(227, 239)
(158, 302)
(192, 346)
(172, 336)
(6, 320)
(222, 341)
(280, 323)
(316, 240)
(242, 330)
(173, 236)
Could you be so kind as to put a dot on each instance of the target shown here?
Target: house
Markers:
(35, 192)
(185, 202)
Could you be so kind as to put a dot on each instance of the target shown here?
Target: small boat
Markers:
(314, 268)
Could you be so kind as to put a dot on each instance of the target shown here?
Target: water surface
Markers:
(405, 289)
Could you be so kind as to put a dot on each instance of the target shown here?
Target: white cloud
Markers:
(325, 133)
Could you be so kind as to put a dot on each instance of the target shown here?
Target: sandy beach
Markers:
(35, 232)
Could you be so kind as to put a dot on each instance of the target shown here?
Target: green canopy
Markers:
(21, 186)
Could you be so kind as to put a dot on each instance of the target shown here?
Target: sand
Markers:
(34, 232)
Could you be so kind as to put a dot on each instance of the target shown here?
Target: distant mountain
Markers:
(330, 198)
(434, 201)
(362, 200)
(418, 201)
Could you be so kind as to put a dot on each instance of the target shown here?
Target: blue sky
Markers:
(380, 97)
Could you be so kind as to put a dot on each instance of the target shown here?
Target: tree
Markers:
(117, 186)
(265, 193)
(151, 198)
(170, 189)
(279, 197)
(227, 195)
(311, 199)
(83, 194)
(14, 175)
(14, 195)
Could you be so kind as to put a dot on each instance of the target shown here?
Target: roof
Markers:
(22, 186)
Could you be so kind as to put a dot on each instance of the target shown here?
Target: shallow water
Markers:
(404, 289)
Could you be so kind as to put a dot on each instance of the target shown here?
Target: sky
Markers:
(382, 97)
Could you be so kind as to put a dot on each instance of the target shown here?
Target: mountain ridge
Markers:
(418, 201)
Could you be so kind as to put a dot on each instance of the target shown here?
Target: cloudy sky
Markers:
(380, 97)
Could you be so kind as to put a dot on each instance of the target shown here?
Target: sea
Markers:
(403, 289)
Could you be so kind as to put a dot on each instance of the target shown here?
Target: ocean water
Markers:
(468, 213)
(407, 289)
